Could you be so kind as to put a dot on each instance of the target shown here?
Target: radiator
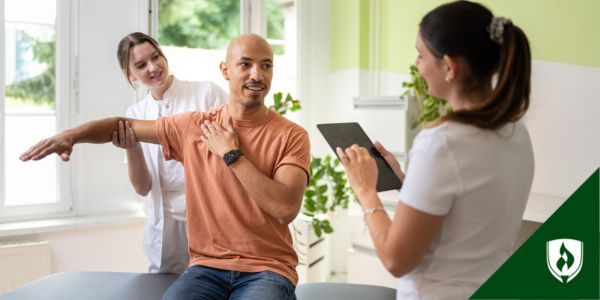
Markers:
(22, 262)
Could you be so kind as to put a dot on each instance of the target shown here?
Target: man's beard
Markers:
(253, 102)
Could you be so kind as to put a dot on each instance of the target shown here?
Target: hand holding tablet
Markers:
(344, 135)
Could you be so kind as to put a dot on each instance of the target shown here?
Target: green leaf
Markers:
(322, 200)
(327, 227)
(309, 193)
(322, 189)
(319, 175)
(310, 205)
(317, 228)
(315, 161)
(295, 105)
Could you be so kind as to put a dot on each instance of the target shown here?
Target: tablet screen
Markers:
(344, 135)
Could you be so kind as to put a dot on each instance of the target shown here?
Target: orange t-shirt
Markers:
(226, 228)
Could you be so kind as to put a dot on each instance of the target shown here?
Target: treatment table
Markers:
(94, 286)
(142, 286)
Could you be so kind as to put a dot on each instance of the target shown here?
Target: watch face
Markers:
(231, 156)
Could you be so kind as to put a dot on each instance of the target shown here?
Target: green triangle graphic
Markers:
(526, 274)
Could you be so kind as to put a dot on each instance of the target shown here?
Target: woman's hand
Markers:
(125, 137)
(215, 109)
(361, 169)
(391, 160)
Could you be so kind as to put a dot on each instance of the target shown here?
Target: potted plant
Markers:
(429, 108)
(328, 188)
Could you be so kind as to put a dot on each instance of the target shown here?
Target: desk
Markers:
(94, 286)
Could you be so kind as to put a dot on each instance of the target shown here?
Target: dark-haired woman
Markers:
(469, 173)
(143, 62)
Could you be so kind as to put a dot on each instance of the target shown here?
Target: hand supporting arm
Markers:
(139, 175)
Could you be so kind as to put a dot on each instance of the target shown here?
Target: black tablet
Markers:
(344, 135)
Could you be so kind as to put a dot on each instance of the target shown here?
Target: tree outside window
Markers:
(195, 33)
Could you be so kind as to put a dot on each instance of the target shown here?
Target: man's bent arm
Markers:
(96, 132)
(280, 197)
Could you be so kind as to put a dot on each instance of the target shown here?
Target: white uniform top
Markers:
(167, 196)
(480, 181)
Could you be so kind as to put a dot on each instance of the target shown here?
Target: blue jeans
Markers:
(200, 282)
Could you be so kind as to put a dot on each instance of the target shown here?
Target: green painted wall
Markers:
(350, 32)
(564, 31)
(344, 29)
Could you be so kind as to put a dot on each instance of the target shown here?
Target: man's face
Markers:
(249, 69)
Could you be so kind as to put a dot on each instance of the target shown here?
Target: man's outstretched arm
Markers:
(95, 132)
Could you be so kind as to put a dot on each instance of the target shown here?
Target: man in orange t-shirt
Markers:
(246, 168)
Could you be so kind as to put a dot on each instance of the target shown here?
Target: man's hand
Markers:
(220, 140)
(125, 136)
(60, 144)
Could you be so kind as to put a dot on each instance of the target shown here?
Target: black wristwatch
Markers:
(232, 156)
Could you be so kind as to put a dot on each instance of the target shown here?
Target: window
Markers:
(194, 35)
(31, 82)
(281, 34)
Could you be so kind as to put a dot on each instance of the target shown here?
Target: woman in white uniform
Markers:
(469, 173)
(142, 61)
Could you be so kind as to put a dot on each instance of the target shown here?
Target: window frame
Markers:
(253, 19)
(63, 95)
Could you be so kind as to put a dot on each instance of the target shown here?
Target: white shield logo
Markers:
(564, 258)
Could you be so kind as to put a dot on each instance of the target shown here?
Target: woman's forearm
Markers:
(139, 176)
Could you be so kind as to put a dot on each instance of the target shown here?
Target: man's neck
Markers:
(241, 112)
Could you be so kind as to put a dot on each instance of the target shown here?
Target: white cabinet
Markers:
(313, 263)
(365, 268)
(389, 120)
(363, 265)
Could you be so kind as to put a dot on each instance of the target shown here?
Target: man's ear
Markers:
(224, 70)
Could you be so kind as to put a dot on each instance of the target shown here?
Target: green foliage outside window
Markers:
(40, 88)
(207, 24)
(210, 24)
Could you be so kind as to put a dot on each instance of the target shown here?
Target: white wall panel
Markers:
(103, 185)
